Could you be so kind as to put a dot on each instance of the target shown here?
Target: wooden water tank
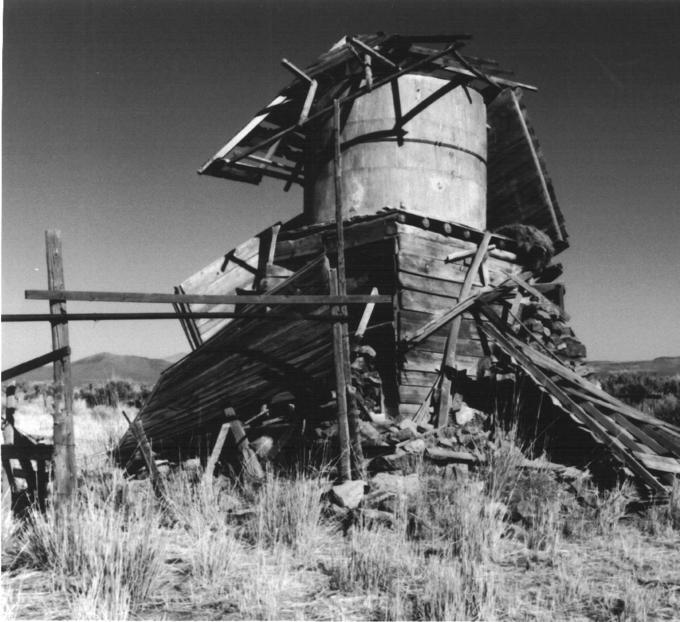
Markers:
(437, 167)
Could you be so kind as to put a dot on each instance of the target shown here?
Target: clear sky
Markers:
(109, 107)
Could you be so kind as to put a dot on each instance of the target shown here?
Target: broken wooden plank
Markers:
(618, 448)
(215, 453)
(365, 316)
(450, 350)
(35, 363)
(157, 485)
(465, 304)
(659, 463)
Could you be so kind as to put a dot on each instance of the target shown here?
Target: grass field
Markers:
(501, 543)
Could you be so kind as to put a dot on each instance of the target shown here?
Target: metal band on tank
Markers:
(372, 138)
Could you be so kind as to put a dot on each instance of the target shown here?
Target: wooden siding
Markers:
(428, 286)
(242, 366)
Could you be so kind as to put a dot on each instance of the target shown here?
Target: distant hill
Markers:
(99, 368)
(661, 366)
(104, 366)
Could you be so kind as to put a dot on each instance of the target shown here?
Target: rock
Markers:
(379, 418)
(369, 434)
(408, 424)
(397, 484)
(448, 442)
(416, 446)
(465, 414)
(398, 461)
(404, 434)
(348, 494)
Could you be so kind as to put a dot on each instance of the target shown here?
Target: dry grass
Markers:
(501, 544)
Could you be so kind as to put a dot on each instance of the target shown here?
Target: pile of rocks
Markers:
(547, 325)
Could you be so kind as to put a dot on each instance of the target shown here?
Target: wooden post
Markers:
(356, 457)
(64, 445)
(340, 390)
(452, 339)
(8, 419)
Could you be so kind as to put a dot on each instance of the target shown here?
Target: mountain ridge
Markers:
(104, 366)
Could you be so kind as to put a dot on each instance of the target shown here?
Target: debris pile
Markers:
(546, 324)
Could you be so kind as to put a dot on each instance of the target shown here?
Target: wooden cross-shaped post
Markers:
(64, 441)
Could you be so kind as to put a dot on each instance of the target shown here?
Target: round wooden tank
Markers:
(438, 169)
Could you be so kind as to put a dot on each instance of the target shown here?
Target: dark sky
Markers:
(109, 107)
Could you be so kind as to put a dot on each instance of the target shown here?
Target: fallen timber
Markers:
(465, 263)
(646, 447)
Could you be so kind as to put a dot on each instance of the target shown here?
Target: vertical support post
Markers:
(10, 409)
(452, 339)
(64, 444)
(352, 409)
(344, 460)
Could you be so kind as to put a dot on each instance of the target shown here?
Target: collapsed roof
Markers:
(273, 142)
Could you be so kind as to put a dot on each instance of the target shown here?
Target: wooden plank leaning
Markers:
(64, 443)
(495, 331)
(157, 485)
(215, 453)
(35, 363)
(426, 330)
(452, 340)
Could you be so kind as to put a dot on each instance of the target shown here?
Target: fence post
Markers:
(64, 442)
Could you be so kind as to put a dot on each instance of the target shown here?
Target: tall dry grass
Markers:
(502, 543)
(104, 558)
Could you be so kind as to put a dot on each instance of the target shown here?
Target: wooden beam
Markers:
(452, 340)
(251, 125)
(35, 363)
(215, 299)
(365, 317)
(33, 452)
(356, 457)
(494, 330)
(64, 440)
(425, 331)
(296, 71)
(370, 51)
(215, 454)
(344, 459)
(307, 105)
(539, 168)
(538, 295)
(96, 317)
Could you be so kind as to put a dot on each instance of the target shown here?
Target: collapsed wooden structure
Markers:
(423, 152)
